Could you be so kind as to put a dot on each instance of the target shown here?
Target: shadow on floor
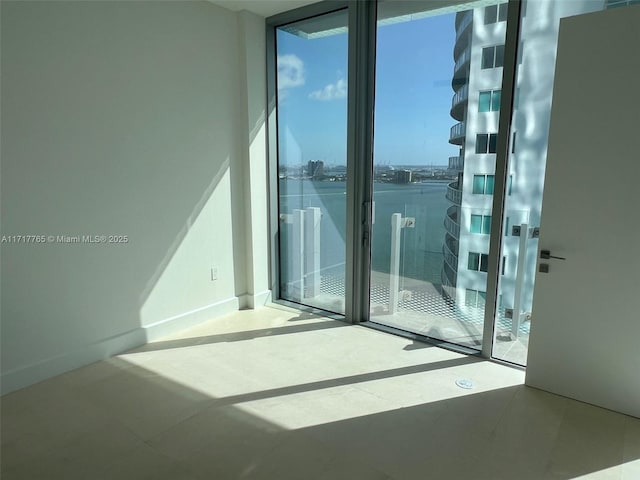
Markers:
(113, 420)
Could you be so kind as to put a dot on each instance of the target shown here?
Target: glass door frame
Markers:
(512, 40)
(362, 27)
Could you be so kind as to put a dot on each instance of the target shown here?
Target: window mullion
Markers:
(501, 173)
(362, 55)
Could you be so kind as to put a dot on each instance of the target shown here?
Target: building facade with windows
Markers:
(476, 82)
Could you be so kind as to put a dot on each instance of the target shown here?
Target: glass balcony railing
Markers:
(460, 96)
(457, 133)
(450, 257)
(453, 194)
(452, 212)
(449, 278)
(464, 57)
(456, 163)
(451, 222)
(452, 244)
(466, 20)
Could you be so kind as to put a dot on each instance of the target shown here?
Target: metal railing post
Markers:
(297, 257)
(520, 272)
(312, 216)
(394, 268)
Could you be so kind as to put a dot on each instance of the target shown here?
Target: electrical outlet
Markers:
(214, 273)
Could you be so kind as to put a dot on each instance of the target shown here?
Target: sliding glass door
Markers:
(438, 83)
(311, 174)
(434, 231)
(425, 214)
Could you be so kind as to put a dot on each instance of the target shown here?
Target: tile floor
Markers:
(278, 394)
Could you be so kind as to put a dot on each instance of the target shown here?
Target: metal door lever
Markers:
(547, 254)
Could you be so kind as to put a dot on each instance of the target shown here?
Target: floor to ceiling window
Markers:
(312, 140)
(453, 187)
(431, 231)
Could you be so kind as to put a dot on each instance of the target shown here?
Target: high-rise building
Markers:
(315, 169)
(402, 176)
(477, 77)
(476, 82)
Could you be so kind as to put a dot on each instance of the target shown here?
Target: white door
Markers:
(585, 331)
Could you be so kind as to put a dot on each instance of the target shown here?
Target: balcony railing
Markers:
(451, 224)
(453, 194)
(452, 244)
(450, 257)
(448, 277)
(457, 132)
(467, 19)
(451, 260)
(464, 57)
(452, 212)
(460, 96)
(456, 163)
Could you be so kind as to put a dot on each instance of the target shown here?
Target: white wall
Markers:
(121, 118)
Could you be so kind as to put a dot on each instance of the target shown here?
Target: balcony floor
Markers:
(423, 310)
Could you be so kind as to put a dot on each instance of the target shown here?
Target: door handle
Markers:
(546, 254)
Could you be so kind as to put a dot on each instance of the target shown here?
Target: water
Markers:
(421, 251)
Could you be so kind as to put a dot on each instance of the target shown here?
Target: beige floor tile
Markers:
(95, 372)
(630, 469)
(220, 442)
(146, 404)
(277, 394)
(78, 456)
(146, 463)
(590, 439)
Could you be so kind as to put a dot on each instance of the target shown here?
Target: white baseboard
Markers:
(190, 319)
(24, 376)
(257, 300)
(50, 367)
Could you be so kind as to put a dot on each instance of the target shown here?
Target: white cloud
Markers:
(290, 71)
(332, 91)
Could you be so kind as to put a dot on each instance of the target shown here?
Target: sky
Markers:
(414, 66)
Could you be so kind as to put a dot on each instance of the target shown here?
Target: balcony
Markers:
(452, 212)
(451, 222)
(460, 96)
(450, 257)
(452, 244)
(450, 261)
(460, 17)
(454, 194)
(456, 135)
(464, 27)
(462, 60)
(463, 20)
(449, 278)
(459, 102)
(456, 163)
